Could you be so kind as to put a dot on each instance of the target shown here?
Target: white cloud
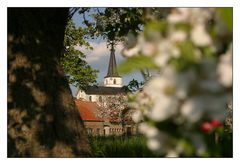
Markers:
(99, 51)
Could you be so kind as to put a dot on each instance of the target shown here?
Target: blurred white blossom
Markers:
(172, 154)
(148, 49)
(225, 69)
(137, 116)
(178, 15)
(199, 36)
(161, 60)
(163, 108)
(190, 86)
(149, 131)
(178, 36)
(154, 144)
(131, 51)
(192, 109)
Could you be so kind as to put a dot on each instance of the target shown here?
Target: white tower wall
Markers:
(113, 82)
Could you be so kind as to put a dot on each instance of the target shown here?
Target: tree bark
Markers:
(42, 117)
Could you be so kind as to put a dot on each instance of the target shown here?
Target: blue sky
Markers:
(98, 58)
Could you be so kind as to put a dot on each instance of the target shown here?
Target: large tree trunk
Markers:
(42, 118)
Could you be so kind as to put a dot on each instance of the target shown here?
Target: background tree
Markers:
(42, 117)
(114, 24)
(79, 72)
(112, 106)
(116, 108)
(134, 86)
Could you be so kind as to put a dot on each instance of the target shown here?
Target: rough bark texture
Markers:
(42, 118)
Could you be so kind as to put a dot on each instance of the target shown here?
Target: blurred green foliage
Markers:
(136, 63)
(226, 14)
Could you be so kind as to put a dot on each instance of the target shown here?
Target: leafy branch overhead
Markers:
(114, 24)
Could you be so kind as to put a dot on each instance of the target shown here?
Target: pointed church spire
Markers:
(112, 66)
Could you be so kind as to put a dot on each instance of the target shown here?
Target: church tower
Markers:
(112, 79)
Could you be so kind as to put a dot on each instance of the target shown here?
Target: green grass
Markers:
(120, 146)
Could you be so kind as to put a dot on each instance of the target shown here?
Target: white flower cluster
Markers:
(225, 68)
(185, 97)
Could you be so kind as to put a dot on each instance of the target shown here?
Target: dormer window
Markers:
(114, 81)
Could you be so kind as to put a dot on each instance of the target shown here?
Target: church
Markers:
(112, 86)
(100, 118)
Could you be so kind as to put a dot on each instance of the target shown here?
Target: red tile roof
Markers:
(87, 110)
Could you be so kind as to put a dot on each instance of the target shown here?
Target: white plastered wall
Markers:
(113, 82)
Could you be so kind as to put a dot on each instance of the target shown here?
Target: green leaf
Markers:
(227, 16)
(136, 63)
(187, 59)
(153, 28)
(183, 26)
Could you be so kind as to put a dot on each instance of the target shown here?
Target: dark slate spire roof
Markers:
(112, 66)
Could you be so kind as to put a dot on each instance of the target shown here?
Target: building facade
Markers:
(97, 126)
(93, 105)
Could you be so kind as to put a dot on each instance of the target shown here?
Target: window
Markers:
(90, 98)
(89, 131)
(129, 131)
(98, 131)
(114, 81)
(100, 99)
(106, 81)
